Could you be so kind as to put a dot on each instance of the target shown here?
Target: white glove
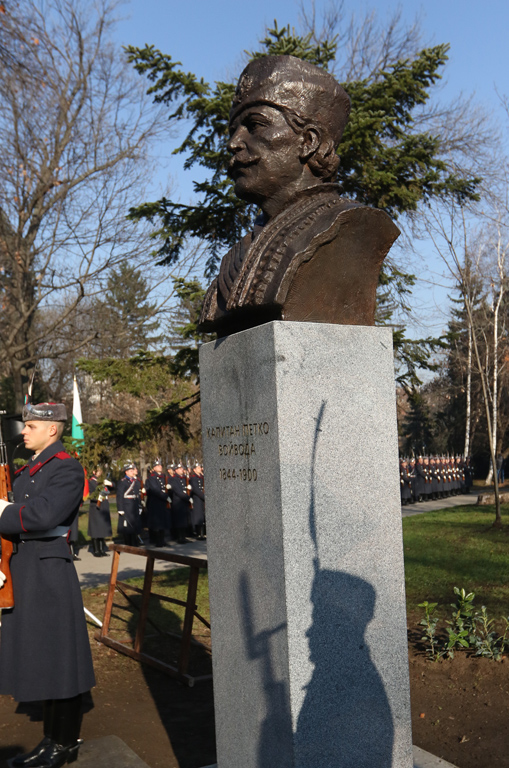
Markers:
(143, 490)
(108, 482)
(120, 512)
(3, 505)
(3, 579)
(168, 486)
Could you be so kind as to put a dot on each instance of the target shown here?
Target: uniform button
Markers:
(26, 495)
(32, 481)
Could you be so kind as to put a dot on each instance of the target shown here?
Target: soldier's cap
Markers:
(157, 461)
(44, 412)
(129, 465)
(291, 84)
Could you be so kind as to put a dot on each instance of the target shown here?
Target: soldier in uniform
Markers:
(433, 476)
(420, 480)
(405, 482)
(157, 504)
(129, 505)
(99, 520)
(181, 502)
(198, 498)
(44, 649)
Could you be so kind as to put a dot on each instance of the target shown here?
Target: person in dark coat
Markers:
(198, 499)
(181, 502)
(405, 482)
(44, 648)
(99, 519)
(420, 480)
(157, 504)
(129, 505)
(170, 472)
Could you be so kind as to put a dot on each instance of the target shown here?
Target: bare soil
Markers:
(460, 710)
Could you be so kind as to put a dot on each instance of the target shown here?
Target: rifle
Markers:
(6, 593)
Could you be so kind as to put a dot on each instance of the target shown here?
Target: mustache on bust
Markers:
(240, 161)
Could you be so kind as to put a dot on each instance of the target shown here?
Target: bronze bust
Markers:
(313, 256)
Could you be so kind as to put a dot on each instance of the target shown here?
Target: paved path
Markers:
(430, 506)
(93, 571)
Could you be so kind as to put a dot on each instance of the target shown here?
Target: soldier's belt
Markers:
(59, 530)
(130, 497)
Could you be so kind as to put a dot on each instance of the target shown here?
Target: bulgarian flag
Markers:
(77, 429)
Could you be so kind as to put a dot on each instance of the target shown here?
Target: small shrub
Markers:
(467, 629)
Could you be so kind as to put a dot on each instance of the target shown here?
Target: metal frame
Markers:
(195, 563)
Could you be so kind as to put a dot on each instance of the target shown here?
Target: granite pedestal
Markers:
(305, 548)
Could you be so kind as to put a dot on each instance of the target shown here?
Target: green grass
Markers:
(457, 548)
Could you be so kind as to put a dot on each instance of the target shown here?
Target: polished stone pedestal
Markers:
(305, 551)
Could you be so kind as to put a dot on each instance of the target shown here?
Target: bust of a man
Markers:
(313, 256)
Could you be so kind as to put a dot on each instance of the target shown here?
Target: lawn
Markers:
(457, 547)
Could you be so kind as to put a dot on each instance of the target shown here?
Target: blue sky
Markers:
(209, 38)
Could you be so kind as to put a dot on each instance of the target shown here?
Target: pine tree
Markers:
(128, 318)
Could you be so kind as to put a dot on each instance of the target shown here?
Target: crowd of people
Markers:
(434, 477)
(168, 504)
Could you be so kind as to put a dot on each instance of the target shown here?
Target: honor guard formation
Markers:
(434, 477)
(171, 503)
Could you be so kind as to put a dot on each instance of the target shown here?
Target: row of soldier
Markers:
(171, 501)
(434, 477)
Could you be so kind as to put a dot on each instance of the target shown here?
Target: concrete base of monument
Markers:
(108, 752)
(422, 759)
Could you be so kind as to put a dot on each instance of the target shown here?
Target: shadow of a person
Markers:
(345, 720)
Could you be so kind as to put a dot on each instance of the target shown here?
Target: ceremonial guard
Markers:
(420, 480)
(157, 504)
(44, 649)
(181, 502)
(99, 519)
(405, 482)
(129, 505)
(198, 498)
(433, 478)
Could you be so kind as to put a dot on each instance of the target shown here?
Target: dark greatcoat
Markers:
(157, 498)
(420, 480)
(405, 484)
(130, 521)
(198, 497)
(99, 520)
(44, 647)
(180, 501)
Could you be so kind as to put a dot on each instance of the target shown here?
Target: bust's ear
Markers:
(311, 139)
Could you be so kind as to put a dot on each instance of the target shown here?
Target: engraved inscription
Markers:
(239, 441)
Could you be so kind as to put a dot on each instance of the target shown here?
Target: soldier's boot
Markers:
(201, 529)
(103, 548)
(62, 721)
(74, 550)
(160, 539)
(96, 548)
(29, 758)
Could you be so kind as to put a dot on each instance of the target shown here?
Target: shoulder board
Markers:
(60, 455)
